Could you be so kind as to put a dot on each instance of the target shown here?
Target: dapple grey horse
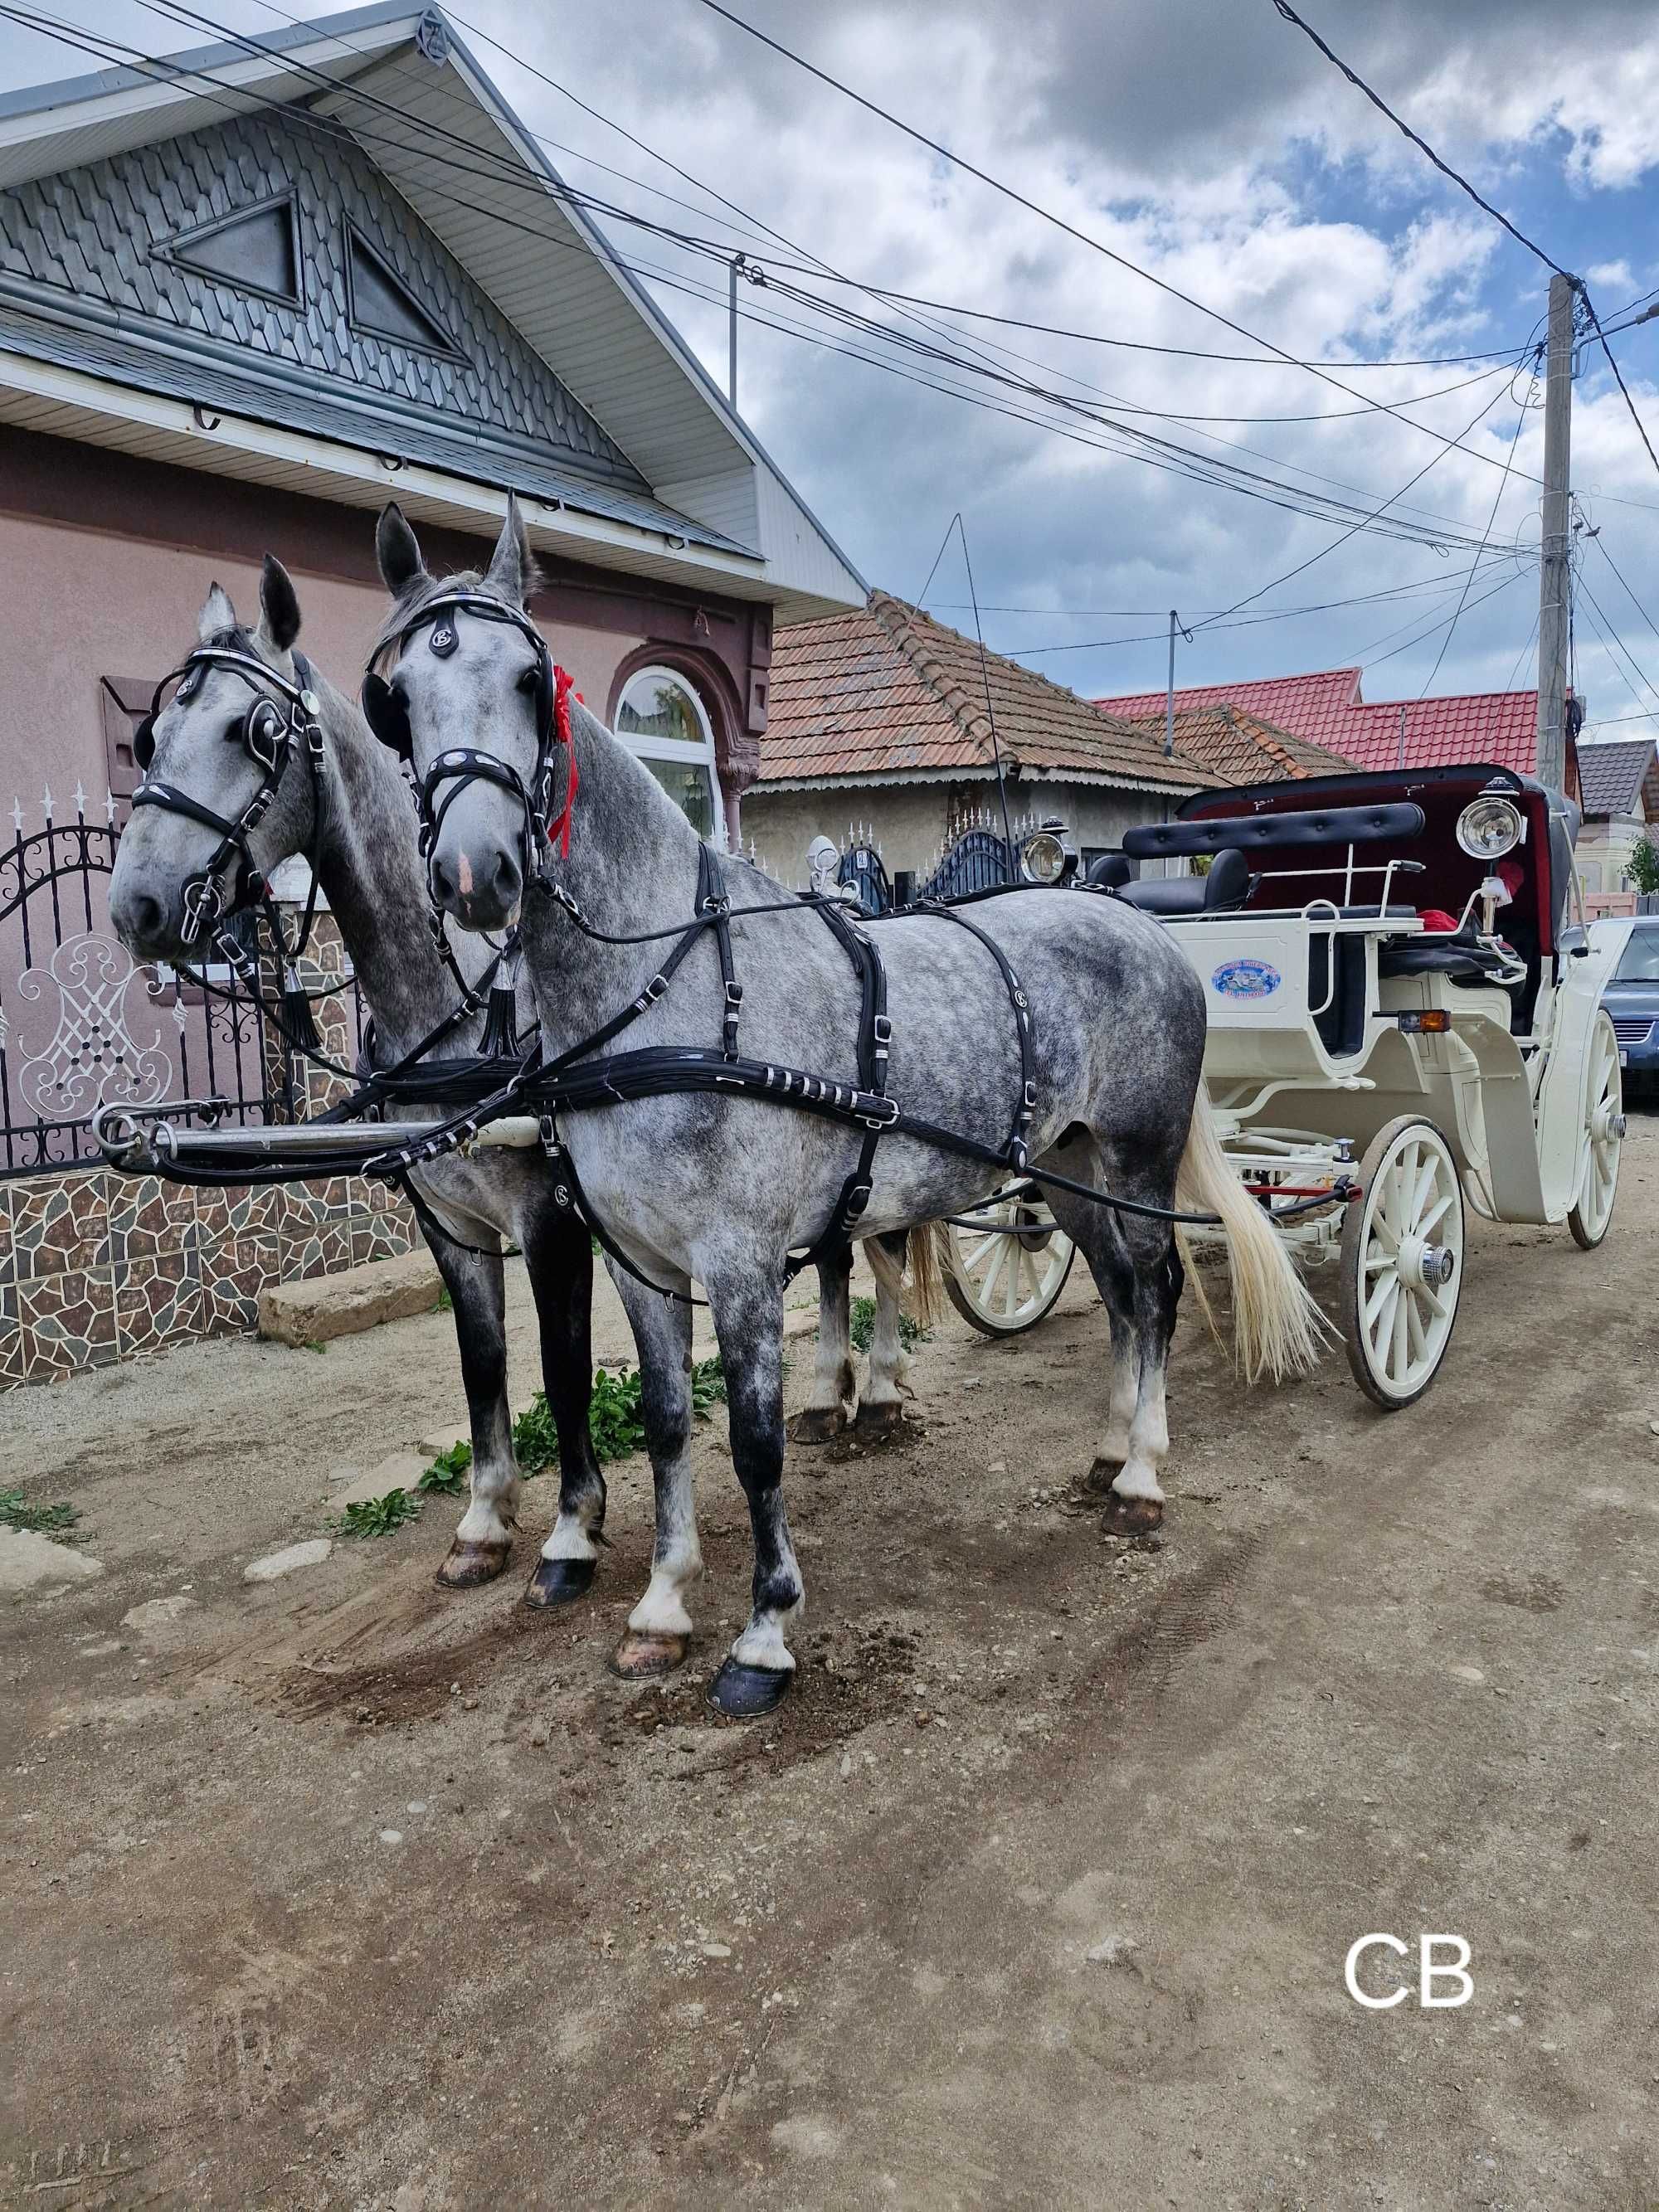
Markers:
(363, 851)
(720, 1189)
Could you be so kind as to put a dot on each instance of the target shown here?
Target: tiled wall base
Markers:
(96, 1267)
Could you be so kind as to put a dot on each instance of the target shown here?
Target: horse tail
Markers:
(927, 1299)
(1277, 1330)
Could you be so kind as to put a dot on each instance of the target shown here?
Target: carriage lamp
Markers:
(1489, 827)
(1045, 857)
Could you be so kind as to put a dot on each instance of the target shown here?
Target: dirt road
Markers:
(349, 1892)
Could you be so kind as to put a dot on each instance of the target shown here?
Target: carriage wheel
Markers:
(1402, 1262)
(1003, 1284)
(1604, 1130)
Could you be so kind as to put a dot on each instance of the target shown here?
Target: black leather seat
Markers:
(1225, 886)
(1461, 959)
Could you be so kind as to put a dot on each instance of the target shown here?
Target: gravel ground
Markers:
(348, 1892)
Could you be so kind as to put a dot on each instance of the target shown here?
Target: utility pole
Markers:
(1168, 704)
(1554, 578)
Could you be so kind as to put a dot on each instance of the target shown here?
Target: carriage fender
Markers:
(1563, 1103)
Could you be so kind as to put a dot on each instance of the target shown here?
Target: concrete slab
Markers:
(30, 1561)
(275, 1564)
(329, 1306)
(400, 1471)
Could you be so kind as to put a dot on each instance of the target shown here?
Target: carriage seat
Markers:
(1459, 959)
(1225, 887)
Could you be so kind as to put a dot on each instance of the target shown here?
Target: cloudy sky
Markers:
(1209, 143)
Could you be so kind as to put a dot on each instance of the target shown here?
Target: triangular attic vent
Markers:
(255, 249)
(383, 305)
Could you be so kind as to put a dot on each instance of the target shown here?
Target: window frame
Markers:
(678, 748)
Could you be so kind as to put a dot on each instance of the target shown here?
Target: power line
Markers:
(1421, 144)
(1060, 222)
(1446, 620)
(1641, 428)
(1600, 547)
(1502, 486)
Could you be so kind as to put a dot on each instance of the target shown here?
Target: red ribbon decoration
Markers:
(558, 831)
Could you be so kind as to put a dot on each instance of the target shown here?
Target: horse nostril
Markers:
(443, 880)
(508, 878)
(137, 916)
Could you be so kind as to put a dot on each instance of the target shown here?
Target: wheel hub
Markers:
(1608, 1126)
(1423, 1266)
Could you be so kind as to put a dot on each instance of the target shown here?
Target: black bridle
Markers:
(270, 733)
(386, 713)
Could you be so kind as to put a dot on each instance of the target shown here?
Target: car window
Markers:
(1639, 961)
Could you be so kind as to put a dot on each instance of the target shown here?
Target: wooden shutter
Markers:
(125, 702)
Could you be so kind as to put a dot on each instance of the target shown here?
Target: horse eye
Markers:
(527, 678)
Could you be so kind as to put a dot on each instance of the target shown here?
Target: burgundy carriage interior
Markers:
(1443, 877)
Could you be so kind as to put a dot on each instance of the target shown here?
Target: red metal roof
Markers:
(1326, 708)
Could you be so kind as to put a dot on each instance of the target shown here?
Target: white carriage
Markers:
(1395, 1019)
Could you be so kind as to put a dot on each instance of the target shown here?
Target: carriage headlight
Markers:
(1489, 827)
(1044, 858)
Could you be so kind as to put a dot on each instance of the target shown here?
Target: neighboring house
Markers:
(1236, 747)
(880, 718)
(1326, 709)
(1619, 783)
(241, 308)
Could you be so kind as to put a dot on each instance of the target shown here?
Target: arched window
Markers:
(665, 726)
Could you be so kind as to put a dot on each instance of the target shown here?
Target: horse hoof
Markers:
(466, 1565)
(817, 1425)
(743, 1693)
(1102, 1475)
(642, 1656)
(879, 1424)
(1133, 1517)
(558, 1582)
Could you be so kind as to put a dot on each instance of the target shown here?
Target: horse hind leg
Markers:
(559, 1258)
(660, 1627)
(881, 1405)
(834, 1384)
(479, 1549)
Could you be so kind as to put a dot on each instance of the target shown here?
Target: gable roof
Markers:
(1620, 777)
(1237, 747)
(1326, 708)
(889, 695)
(698, 500)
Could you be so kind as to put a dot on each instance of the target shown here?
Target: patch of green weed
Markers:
(376, 1517)
(614, 1416)
(57, 1521)
(448, 1472)
(861, 1327)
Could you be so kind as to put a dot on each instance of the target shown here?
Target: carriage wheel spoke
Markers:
(1435, 1214)
(1379, 1298)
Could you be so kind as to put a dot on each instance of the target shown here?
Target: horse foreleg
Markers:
(747, 1307)
(476, 1292)
(881, 1407)
(660, 1626)
(559, 1257)
(834, 1385)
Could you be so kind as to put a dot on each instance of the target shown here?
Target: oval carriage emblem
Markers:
(1246, 979)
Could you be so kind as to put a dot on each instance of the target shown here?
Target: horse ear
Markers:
(398, 552)
(218, 614)
(514, 575)
(279, 605)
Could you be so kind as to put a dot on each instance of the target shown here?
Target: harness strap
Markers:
(713, 901)
(1017, 1151)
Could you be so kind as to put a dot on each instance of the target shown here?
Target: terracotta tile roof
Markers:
(888, 692)
(1326, 709)
(1236, 747)
(1618, 777)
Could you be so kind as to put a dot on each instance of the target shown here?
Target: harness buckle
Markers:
(881, 1029)
(653, 990)
(1030, 1096)
(734, 995)
(886, 1118)
(853, 1204)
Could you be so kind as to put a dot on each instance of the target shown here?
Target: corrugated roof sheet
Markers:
(1325, 709)
(888, 692)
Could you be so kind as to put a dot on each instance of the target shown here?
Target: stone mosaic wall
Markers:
(96, 1266)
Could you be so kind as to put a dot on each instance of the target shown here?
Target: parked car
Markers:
(1631, 995)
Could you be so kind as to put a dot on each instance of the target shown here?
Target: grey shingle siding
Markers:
(86, 283)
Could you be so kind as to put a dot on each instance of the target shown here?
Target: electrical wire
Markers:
(1502, 486)
(1083, 237)
(1421, 144)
